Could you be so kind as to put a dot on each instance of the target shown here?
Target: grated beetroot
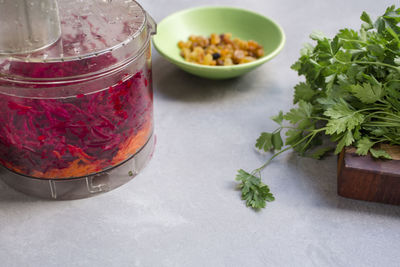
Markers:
(74, 136)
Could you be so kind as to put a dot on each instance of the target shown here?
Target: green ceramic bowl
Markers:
(243, 24)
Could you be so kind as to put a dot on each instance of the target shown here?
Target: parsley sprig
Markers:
(351, 94)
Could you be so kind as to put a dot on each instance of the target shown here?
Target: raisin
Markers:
(216, 56)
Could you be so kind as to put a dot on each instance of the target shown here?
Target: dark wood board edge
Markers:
(378, 182)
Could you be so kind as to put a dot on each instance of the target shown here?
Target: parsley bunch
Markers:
(351, 94)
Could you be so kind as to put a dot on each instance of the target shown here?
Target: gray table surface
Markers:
(182, 210)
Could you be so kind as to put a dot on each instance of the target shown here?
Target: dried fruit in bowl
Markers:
(220, 50)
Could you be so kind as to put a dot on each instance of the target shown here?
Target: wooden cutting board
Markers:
(365, 178)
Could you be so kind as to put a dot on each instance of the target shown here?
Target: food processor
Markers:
(76, 99)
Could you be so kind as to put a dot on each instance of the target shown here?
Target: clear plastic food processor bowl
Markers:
(76, 99)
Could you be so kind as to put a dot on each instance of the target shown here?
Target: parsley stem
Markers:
(353, 41)
(278, 130)
(312, 135)
(378, 124)
(309, 141)
(368, 63)
(364, 43)
(271, 158)
(367, 109)
(387, 113)
(391, 81)
(376, 63)
(319, 118)
(390, 139)
(383, 118)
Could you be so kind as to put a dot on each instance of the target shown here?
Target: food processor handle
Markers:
(28, 25)
(152, 24)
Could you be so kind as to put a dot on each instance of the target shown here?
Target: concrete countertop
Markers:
(182, 210)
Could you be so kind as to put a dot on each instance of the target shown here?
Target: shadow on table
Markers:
(7, 194)
(172, 82)
(324, 183)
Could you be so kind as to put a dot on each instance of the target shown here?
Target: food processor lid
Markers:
(87, 28)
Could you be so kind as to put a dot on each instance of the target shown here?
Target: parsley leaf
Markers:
(317, 36)
(363, 146)
(277, 140)
(264, 142)
(269, 141)
(254, 192)
(303, 91)
(297, 115)
(278, 118)
(293, 136)
(342, 118)
(380, 153)
(368, 22)
(367, 93)
(346, 140)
